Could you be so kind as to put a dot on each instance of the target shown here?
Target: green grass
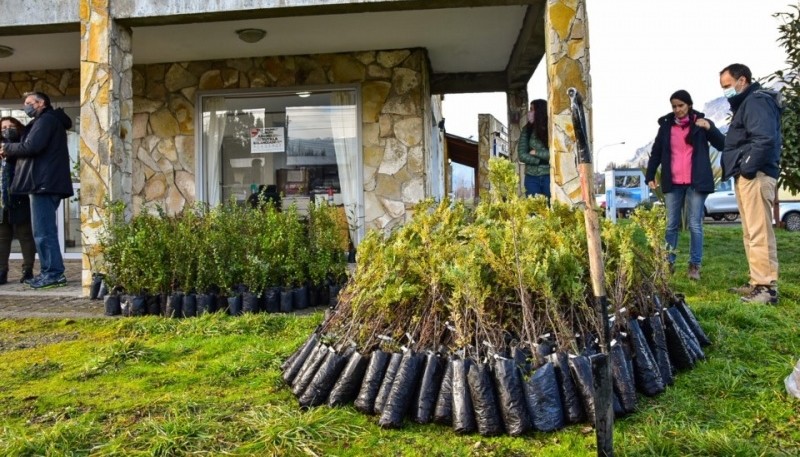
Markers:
(211, 385)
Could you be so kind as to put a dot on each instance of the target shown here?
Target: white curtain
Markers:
(343, 126)
(217, 116)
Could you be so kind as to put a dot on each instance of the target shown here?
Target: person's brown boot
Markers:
(742, 290)
(694, 272)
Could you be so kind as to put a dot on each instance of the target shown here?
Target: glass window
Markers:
(302, 145)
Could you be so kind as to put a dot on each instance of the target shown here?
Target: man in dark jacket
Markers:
(752, 155)
(43, 172)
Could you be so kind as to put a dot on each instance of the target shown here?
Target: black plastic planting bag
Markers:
(430, 382)
(138, 305)
(463, 412)
(484, 400)
(287, 301)
(386, 383)
(624, 386)
(300, 297)
(581, 369)
(112, 306)
(295, 363)
(543, 399)
(333, 295)
(522, 358)
(203, 303)
(346, 388)
(310, 368)
(272, 299)
(250, 303)
(323, 295)
(235, 304)
(190, 305)
(692, 322)
(103, 290)
(678, 344)
(512, 397)
(443, 413)
(222, 303)
(646, 373)
(365, 401)
(174, 306)
(403, 389)
(574, 411)
(94, 287)
(693, 343)
(154, 305)
(657, 340)
(324, 379)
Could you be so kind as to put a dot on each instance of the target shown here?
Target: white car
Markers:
(790, 215)
(721, 204)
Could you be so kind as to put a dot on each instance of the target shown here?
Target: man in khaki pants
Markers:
(752, 154)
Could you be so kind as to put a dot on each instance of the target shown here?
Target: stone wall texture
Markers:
(55, 83)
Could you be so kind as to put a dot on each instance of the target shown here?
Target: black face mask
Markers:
(10, 134)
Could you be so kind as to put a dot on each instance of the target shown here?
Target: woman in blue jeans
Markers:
(681, 150)
(533, 151)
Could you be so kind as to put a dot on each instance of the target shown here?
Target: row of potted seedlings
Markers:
(498, 390)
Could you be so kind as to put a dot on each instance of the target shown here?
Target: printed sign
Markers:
(267, 140)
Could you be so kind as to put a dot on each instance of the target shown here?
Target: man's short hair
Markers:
(39, 96)
(737, 70)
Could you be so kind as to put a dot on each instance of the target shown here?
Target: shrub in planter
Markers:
(325, 241)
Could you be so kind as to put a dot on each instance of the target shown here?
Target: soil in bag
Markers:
(646, 373)
(484, 400)
(424, 404)
(543, 399)
(365, 401)
(622, 378)
(657, 340)
(692, 322)
(295, 362)
(677, 344)
(174, 306)
(693, 343)
(346, 388)
(581, 369)
(386, 383)
(324, 379)
(306, 374)
(574, 411)
(112, 306)
(190, 305)
(511, 396)
(443, 412)
(403, 390)
(463, 412)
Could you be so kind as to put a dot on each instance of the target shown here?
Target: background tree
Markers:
(789, 39)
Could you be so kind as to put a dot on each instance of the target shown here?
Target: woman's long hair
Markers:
(540, 120)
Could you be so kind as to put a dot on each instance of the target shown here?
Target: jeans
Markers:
(538, 185)
(675, 200)
(45, 234)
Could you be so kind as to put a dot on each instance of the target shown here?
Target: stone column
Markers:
(517, 101)
(105, 126)
(567, 54)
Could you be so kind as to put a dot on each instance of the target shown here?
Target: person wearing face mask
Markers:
(752, 156)
(15, 216)
(681, 150)
(533, 151)
(42, 171)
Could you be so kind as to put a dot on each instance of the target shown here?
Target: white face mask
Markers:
(730, 92)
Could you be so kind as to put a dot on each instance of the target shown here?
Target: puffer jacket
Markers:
(538, 165)
(753, 141)
(661, 154)
(43, 156)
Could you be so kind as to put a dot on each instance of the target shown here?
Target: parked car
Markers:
(790, 215)
(721, 204)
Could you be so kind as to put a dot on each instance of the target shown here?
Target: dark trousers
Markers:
(24, 234)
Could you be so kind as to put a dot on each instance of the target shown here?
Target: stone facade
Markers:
(567, 44)
(55, 83)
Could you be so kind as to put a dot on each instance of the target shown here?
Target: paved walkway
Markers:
(20, 301)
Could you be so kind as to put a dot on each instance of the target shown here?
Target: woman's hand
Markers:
(703, 123)
(532, 152)
(652, 185)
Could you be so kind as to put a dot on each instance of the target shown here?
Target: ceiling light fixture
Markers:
(303, 94)
(6, 51)
(251, 35)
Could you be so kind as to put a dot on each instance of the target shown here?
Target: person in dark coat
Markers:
(533, 150)
(15, 216)
(43, 172)
(681, 150)
(752, 155)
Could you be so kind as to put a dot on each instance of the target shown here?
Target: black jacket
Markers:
(42, 156)
(753, 141)
(661, 154)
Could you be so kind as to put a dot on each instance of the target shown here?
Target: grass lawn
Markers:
(211, 385)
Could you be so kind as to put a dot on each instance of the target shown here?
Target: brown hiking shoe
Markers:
(694, 272)
(741, 290)
(762, 294)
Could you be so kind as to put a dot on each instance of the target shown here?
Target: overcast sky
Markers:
(643, 51)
